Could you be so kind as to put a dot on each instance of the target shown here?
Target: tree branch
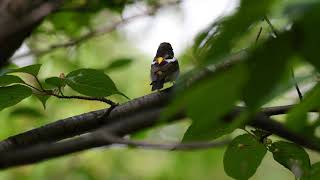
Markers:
(130, 125)
(83, 123)
(80, 124)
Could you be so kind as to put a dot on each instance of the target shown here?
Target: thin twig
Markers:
(51, 93)
(161, 146)
(39, 83)
(32, 87)
(271, 26)
(81, 39)
(258, 35)
(101, 99)
(296, 85)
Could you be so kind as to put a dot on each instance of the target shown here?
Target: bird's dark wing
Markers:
(154, 69)
(168, 69)
(163, 73)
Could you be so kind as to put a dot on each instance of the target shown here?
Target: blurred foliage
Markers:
(262, 78)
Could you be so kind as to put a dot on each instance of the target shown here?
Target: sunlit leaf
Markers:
(243, 156)
(10, 79)
(32, 69)
(91, 82)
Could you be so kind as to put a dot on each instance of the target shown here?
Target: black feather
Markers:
(157, 85)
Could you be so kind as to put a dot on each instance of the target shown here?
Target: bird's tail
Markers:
(157, 85)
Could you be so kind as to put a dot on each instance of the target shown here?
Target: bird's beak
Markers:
(159, 60)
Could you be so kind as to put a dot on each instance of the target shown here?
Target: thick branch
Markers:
(130, 125)
(83, 123)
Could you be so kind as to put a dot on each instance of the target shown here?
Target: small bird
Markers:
(164, 67)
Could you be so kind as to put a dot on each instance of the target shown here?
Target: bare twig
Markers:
(296, 85)
(271, 26)
(258, 35)
(162, 146)
(101, 99)
(81, 39)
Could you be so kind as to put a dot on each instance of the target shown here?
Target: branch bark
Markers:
(130, 125)
(83, 123)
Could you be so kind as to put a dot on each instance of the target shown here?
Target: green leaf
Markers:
(56, 81)
(291, 156)
(91, 82)
(118, 63)
(314, 173)
(243, 156)
(268, 66)
(32, 69)
(43, 99)
(235, 26)
(12, 95)
(10, 79)
(206, 112)
(297, 117)
(306, 32)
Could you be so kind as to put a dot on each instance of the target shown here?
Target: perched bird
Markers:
(164, 67)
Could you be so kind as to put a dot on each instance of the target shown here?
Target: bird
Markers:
(164, 67)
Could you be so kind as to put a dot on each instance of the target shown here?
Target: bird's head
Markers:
(164, 51)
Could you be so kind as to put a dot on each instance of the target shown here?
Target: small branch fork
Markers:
(101, 99)
(43, 91)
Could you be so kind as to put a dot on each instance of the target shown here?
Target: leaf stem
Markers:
(101, 99)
